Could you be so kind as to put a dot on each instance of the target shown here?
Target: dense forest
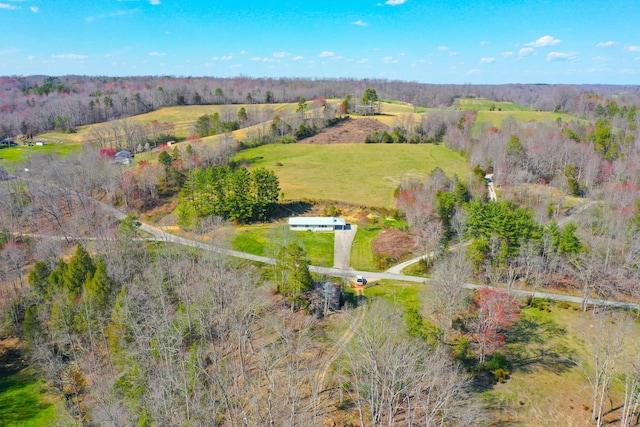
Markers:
(135, 330)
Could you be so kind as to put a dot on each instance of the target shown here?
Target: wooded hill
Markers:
(35, 104)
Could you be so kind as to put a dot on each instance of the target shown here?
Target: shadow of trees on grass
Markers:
(537, 341)
(20, 391)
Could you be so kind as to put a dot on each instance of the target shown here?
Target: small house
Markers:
(317, 223)
(123, 157)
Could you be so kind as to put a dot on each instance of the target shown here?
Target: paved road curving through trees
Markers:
(348, 273)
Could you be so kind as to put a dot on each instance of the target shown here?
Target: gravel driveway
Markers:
(342, 247)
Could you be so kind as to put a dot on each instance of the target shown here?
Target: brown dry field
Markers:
(349, 131)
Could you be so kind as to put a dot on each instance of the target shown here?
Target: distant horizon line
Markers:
(381, 79)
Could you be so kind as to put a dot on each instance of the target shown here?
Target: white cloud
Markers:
(606, 44)
(280, 54)
(157, 54)
(473, 72)
(8, 6)
(544, 41)
(9, 51)
(360, 23)
(154, 2)
(255, 58)
(326, 54)
(362, 61)
(69, 56)
(484, 43)
(487, 60)
(561, 56)
(243, 52)
(443, 48)
(297, 58)
(633, 48)
(507, 54)
(525, 51)
(387, 59)
(115, 14)
(268, 60)
(34, 9)
(226, 58)
(600, 58)
(395, 2)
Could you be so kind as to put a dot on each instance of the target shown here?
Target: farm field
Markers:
(488, 104)
(492, 113)
(495, 118)
(362, 174)
(185, 116)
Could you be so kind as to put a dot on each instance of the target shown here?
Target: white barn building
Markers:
(317, 223)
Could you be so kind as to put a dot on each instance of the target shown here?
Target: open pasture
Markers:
(489, 105)
(10, 156)
(362, 174)
(495, 118)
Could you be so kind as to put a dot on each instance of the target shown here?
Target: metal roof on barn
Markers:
(317, 221)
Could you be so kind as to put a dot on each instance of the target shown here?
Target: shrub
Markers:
(501, 375)
(383, 261)
(462, 351)
(498, 366)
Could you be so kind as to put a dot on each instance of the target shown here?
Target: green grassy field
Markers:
(406, 295)
(495, 118)
(361, 253)
(362, 174)
(26, 401)
(494, 112)
(487, 104)
(260, 240)
(10, 156)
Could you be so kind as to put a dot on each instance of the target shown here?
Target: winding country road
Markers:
(348, 273)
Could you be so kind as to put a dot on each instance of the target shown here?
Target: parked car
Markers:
(8, 142)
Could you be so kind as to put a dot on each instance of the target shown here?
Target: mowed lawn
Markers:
(363, 174)
(262, 239)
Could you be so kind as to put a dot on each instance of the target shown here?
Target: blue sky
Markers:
(436, 41)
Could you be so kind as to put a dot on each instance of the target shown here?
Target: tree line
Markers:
(36, 104)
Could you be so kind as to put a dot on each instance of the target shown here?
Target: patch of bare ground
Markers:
(393, 243)
(348, 131)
